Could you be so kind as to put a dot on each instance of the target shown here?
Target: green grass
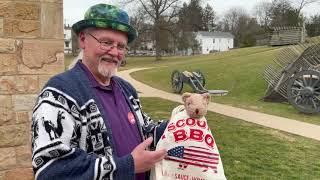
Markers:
(238, 71)
(133, 62)
(250, 151)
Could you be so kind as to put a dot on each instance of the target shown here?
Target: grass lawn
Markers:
(133, 62)
(238, 71)
(251, 151)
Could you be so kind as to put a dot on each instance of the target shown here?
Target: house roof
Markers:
(216, 34)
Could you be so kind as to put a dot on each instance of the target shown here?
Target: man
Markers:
(88, 123)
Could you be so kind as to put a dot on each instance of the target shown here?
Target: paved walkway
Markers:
(284, 124)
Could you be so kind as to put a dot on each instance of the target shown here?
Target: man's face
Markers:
(104, 49)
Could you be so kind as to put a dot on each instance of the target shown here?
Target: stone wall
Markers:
(31, 51)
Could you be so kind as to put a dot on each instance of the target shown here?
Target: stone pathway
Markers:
(280, 123)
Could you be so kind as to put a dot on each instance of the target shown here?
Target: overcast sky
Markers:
(74, 9)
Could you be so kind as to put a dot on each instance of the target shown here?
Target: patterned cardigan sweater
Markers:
(71, 138)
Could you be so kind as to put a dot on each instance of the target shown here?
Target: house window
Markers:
(67, 43)
(214, 40)
(65, 35)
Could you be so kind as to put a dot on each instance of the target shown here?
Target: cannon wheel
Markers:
(176, 81)
(304, 91)
(201, 78)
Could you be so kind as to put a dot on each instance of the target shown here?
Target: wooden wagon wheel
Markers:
(304, 91)
(200, 77)
(176, 81)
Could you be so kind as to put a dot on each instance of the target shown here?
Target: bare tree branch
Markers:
(303, 3)
(146, 9)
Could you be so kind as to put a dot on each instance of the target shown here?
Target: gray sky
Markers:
(74, 9)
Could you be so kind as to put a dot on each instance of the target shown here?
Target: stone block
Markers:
(19, 174)
(8, 63)
(24, 102)
(14, 135)
(1, 27)
(6, 116)
(23, 117)
(23, 156)
(44, 51)
(43, 79)
(49, 57)
(7, 85)
(21, 28)
(6, 112)
(6, 9)
(27, 11)
(6, 101)
(2, 173)
(7, 45)
(52, 1)
(26, 0)
(51, 21)
(26, 84)
(7, 158)
(47, 69)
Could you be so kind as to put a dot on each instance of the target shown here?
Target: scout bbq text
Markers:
(196, 134)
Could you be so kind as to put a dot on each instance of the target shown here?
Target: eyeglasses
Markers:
(109, 44)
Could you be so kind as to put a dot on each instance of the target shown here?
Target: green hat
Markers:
(106, 16)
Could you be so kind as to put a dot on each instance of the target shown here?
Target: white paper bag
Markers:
(192, 151)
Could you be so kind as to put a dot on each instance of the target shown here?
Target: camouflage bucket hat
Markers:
(106, 16)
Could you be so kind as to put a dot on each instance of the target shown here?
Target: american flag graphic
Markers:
(192, 155)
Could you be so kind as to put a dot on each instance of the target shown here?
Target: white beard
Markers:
(107, 72)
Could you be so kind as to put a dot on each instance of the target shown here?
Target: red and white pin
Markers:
(131, 118)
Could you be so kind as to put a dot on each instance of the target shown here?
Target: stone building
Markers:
(31, 51)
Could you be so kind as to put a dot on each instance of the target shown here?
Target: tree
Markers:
(165, 35)
(186, 40)
(242, 26)
(142, 28)
(249, 29)
(232, 17)
(313, 26)
(284, 14)
(190, 21)
(190, 16)
(303, 3)
(234, 20)
(155, 10)
(208, 18)
(262, 13)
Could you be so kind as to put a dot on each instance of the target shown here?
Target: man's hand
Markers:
(144, 160)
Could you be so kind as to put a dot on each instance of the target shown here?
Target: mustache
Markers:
(109, 59)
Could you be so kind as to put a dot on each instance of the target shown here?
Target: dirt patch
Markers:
(281, 135)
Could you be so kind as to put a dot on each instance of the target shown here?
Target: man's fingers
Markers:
(145, 143)
(144, 159)
(159, 155)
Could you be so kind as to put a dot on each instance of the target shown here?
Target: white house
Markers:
(67, 39)
(214, 41)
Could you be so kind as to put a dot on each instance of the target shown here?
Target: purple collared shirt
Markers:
(123, 124)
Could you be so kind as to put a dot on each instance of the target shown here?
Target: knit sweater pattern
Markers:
(71, 136)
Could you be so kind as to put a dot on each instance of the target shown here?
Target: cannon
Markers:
(195, 79)
(295, 77)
